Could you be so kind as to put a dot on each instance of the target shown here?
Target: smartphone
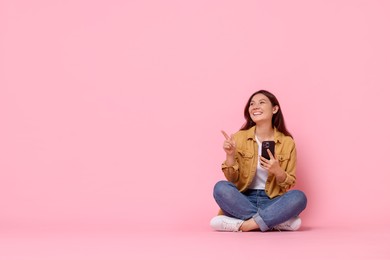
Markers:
(267, 145)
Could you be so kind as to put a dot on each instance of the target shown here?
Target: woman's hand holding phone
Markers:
(272, 166)
(269, 164)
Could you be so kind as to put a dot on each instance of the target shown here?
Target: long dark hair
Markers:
(277, 118)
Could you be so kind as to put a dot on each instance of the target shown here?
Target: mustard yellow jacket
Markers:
(244, 169)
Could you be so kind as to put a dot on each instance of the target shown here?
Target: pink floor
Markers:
(309, 243)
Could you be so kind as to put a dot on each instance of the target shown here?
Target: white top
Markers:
(259, 180)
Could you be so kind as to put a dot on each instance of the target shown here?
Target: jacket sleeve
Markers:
(231, 172)
(290, 170)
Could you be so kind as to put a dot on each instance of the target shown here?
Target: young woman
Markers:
(257, 195)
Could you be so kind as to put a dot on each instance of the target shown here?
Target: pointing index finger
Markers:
(225, 134)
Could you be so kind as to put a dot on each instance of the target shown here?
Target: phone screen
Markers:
(267, 145)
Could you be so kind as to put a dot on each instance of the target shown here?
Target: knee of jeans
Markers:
(300, 198)
(221, 189)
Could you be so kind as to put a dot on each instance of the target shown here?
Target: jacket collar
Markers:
(277, 135)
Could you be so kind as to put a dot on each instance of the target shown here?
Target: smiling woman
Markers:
(257, 195)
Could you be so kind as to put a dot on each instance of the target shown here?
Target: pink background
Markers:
(111, 111)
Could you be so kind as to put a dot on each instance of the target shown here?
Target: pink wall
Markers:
(111, 111)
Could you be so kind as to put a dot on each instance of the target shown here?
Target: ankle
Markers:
(244, 226)
(248, 225)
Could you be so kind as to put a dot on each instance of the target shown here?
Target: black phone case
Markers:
(267, 145)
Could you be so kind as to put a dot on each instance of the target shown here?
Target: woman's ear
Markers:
(275, 109)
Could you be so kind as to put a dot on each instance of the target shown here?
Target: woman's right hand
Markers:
(229, 145)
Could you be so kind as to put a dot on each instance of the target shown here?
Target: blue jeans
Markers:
(255, 204)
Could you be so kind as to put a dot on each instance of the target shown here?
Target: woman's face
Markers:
(261, 109)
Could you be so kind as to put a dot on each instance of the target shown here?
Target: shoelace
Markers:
(281, 227)
(231, 225)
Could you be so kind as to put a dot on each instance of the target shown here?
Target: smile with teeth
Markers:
(257, 113)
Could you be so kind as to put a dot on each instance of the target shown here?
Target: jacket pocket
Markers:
(283, 157)
(245, 154)
(245, 160)
(283, 160)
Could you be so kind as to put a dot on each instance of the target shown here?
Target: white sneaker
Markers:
(224, 223)
(292, 224)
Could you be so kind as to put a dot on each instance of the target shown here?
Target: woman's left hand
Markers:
(271, 165)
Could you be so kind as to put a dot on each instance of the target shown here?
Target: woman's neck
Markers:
(265, 133)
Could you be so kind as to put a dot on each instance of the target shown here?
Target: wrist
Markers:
(281, 176)
(229, 160)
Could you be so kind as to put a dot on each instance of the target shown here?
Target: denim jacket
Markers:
(244, 169)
